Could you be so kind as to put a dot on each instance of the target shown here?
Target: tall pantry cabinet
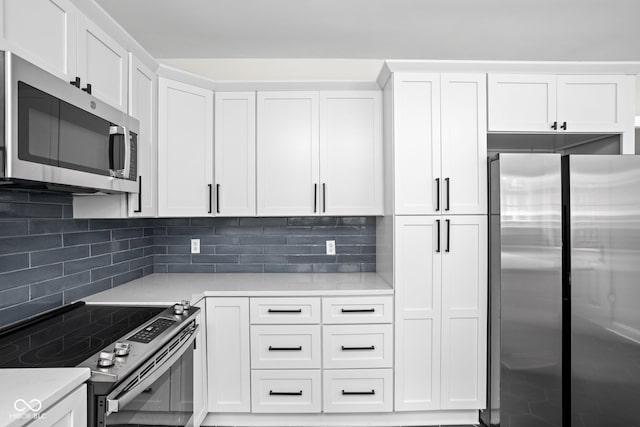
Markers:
(436, 130)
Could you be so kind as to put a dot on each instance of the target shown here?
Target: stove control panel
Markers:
(149, 332)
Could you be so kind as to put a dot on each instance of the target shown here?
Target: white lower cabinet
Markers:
(357, 390)
(357, 346)
(71, 411)
(285, 346)
(228, 368)
(441, 297)
(285, 391)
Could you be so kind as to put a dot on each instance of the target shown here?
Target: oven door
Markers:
(162, 396)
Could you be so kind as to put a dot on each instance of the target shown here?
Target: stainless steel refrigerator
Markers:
(565, 291)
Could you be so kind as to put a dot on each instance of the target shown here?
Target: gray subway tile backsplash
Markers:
(47, 258)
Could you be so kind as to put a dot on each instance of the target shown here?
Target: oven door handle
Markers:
(119, 399)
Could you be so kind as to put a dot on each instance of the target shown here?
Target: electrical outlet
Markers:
(331, 247)
(195, 246)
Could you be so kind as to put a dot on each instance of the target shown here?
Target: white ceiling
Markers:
(590, 30)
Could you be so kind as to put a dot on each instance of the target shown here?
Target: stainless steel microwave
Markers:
(57, 135)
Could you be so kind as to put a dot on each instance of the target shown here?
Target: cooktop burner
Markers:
(66, 339)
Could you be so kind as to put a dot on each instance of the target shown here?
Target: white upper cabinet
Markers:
(44, 32)
(521, 102)
(595, 103)
(235, 153)
(54, 35)
(416, 125)
(185, 149)
(440, 143)
(143, 89)
(102, 63)
(562, 103)
(288, 153)
(351, 153)
(464, 143)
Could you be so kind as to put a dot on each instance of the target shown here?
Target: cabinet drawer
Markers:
(357, 310)
(285, 346)
(285, 391)
(357, 346)
(285, 310)
(358, 390)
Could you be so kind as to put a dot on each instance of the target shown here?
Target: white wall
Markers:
(259, 69)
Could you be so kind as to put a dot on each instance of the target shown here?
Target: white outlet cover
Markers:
(195, 246)
(331, 247)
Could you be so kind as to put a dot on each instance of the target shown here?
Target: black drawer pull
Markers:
(358, 310)
(299, 348)
(275, 310)
(355, 393)
(373, 347)
(285, 393)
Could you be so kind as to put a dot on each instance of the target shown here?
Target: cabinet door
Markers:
(200, 409)
(143, 106)
(595, 103)
(103, 63)
(351, 152)
(417, 143)
(43, 32)
(521, 102)
(417, 286)
(288, 153)
(185, 149)
(464, 143)
(464, 312)
(235, 153)
(69, 412)
(228, 355)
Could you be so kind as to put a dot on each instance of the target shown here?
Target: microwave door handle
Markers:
(117, 400)
(127, 154)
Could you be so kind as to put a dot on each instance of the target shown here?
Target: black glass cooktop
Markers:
(70, 335)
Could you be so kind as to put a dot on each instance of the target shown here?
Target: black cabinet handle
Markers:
(87, 88)
(554, 126)
(564, 126)
(315, 198)
(448, 235)
(278, 310)
(139, 195)
(344, 348)
(324, 197)
(285, 393)
(354, 393)
(217, 198)
(437, 235)
(437, 194)
(210, 188)
(358, 310)
(448, 182)
(76, 82)
(299, 348)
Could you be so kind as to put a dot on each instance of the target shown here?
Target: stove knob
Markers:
(178, 309)
(186, 304)
(106, 359)
(122, 349)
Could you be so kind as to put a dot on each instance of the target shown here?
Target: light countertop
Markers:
(38, 387)
(169, 288)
